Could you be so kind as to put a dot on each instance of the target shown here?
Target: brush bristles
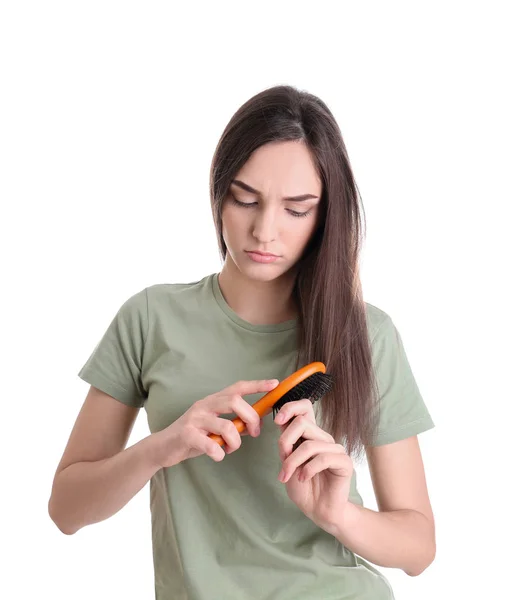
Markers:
(313, 388)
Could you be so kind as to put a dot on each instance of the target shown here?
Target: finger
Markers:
(304, 453)
(245, 432)
(204, 444)
(293, 409)
(225, 429)
(255, 386)
(213, 450)
(339, 464)
(247, 416)
(300, 427)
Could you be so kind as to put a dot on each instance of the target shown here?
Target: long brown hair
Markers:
(328, 292)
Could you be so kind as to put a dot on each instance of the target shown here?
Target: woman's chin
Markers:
(262, 272)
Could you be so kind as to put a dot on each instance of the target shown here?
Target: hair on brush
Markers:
(313, 388)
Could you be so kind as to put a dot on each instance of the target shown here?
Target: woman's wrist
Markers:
(345, 521)
(161, 449)
(154, 448)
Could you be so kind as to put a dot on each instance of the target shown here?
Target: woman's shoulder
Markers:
(161, 295)
(178, 288)
(184, 294)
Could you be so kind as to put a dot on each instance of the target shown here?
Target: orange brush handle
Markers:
(266, 403)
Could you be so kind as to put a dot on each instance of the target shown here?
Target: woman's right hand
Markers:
(188, 437)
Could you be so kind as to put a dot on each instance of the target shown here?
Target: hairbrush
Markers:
(310, 382)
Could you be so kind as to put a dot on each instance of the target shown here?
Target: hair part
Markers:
(328, 293)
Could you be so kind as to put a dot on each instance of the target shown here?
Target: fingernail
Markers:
(281, 476)
(281, 417)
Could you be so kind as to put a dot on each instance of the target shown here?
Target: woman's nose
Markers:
(265, 226)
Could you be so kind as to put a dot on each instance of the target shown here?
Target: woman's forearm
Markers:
(89, 492)
(402, 539)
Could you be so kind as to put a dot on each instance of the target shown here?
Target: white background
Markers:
(110, 113)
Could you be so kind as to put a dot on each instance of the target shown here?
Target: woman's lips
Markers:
(262, 258)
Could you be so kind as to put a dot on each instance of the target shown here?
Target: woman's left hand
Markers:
(320, 488)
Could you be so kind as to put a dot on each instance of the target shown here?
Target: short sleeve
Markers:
(402, 410)
(115, 365)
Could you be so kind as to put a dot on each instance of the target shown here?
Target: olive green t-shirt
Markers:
(227, 530)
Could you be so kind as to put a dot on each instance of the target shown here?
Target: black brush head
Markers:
(313, 388)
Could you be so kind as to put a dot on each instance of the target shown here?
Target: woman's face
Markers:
(267, 220)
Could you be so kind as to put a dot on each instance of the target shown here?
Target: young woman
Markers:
(267, 520)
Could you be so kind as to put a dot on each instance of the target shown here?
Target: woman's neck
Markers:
(258, 302)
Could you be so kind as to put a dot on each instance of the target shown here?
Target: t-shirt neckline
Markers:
(271, 328)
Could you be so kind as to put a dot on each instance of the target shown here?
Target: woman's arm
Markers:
(90, 492)
(97, 476)
(402, 533)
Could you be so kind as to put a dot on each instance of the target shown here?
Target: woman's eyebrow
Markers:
(250, 189)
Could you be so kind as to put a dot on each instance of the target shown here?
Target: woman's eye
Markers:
(298, 214)
(242, 203)
(294, 213)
